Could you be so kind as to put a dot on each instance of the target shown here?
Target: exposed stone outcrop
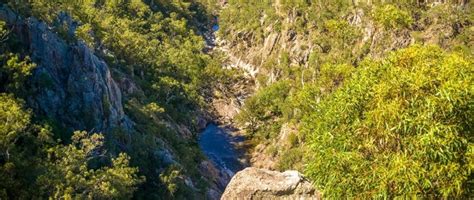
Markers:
(218, 178)
(73, 85)
(254, 183)
(70, 84)
(251, 50)
(226, 108)
(249, 69)
(260, 157)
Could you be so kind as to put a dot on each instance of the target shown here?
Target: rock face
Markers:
(70, 84)
(73, 86)
(254, 183)
(219, 179)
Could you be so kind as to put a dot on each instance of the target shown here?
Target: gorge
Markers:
(232, 99)
(219, 146)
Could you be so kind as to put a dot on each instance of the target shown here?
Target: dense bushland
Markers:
(34, 163)
(369, 99)
(154, 43)
(399, 127)
(381, 104)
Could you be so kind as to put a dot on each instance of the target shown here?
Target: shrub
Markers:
(263, 107)
(291, 159)
(401, 127)
(391, 17)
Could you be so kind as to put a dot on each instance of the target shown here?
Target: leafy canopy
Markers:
(69, 174)
(400, 127)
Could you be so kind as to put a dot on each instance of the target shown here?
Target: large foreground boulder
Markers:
(254, 183)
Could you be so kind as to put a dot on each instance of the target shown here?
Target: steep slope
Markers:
(90, 82)
(303, 49)
(350, 93)
(329, 99)
(70, 84)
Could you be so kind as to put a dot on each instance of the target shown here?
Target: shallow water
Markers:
(215, 27)
(219, 147)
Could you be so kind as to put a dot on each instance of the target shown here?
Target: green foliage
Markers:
(156, 45)
(293, 139)
(171, 179)
(343, 31)
(391, 17)
(291, 159)
(265, 106)
(21, 144)
(152, 109)
(246, 16)
(14, 122)
(264, 112)
(3, 31)
(399, 127)
(14, 71)
(85, 33)
(150, 127)
(69, 175)
(334, 38)
(332, 76)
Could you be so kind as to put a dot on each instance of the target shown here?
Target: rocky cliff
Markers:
(290, 32)
(282, 41)
(73, 87)
(254, 183)
(70, 84)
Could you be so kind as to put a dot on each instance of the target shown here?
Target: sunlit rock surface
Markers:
(254, 183)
